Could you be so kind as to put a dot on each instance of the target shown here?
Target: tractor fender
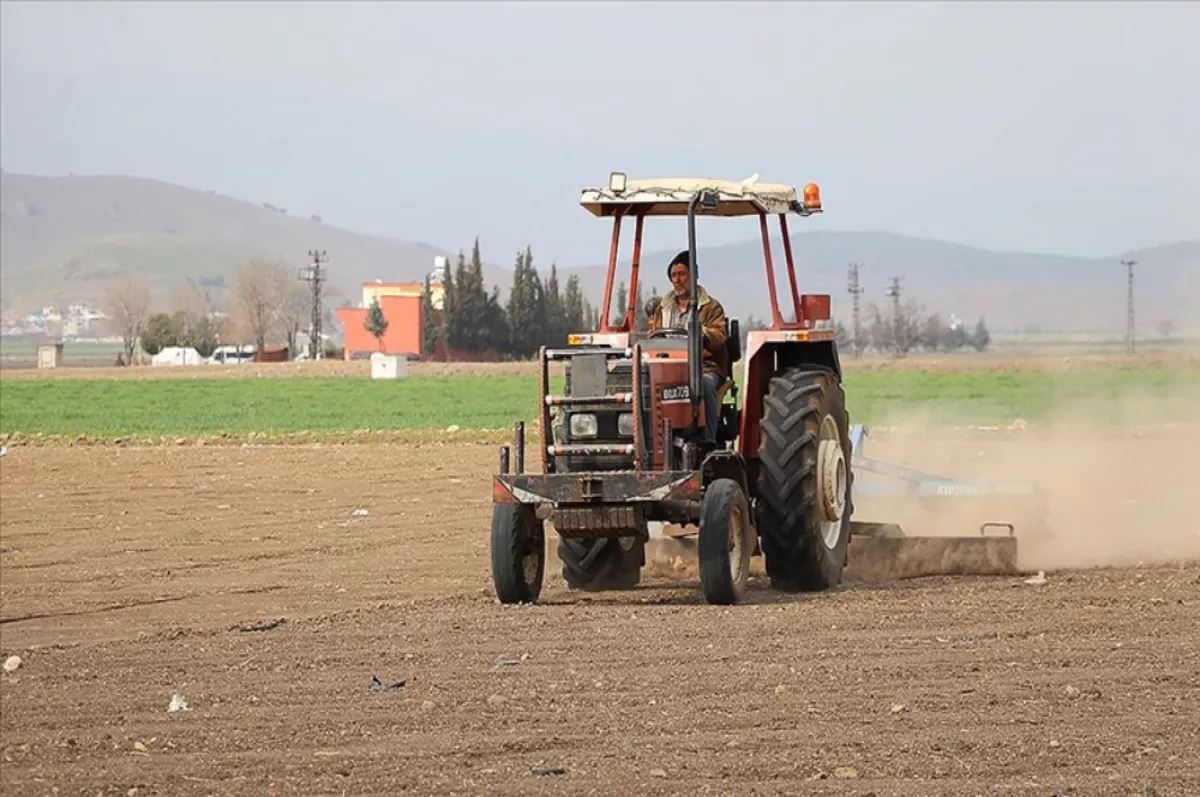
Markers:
(768, 353)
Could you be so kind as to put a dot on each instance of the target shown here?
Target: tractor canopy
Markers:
(691, 198)
(670, 196)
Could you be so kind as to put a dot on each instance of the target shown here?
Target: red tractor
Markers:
(622, 446)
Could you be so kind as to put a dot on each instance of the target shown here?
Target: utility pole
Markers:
(855, 290)
(1129, 264)
(314, 274)
(893, 291)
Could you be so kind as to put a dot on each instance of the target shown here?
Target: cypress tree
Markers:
(573, 317)
(617, 313)
(429, 321)
(376, 323)
(553, 316)
(449, 306)
(641, 321)
(521, 309)
(497, 328)
(458, 328)
(480, 330)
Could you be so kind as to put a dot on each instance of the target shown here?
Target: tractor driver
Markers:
(672, 312)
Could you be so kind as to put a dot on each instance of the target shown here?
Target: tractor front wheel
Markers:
(804, 480)
(518, 553)
(726, 541)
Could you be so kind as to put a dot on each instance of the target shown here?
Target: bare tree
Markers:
(296, 313)
(899, 333)
(933, 332)
(229, 331)
(259, 290)
(190, 304)
(193, 319)
(127, 304)
(879, 329)
(908, 327)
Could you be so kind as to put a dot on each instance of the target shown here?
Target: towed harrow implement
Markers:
(1001, 512)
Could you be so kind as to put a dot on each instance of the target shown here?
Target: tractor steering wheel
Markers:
(668, 332)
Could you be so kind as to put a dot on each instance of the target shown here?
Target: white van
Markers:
(231, 355)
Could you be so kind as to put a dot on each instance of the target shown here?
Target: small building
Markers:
(388, 366)
(49, 355)
(401, 306)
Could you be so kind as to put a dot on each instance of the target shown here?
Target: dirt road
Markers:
(243, 580)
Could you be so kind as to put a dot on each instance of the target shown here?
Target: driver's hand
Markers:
(652, 306)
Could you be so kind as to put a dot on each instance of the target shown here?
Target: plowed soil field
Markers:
(284, 593)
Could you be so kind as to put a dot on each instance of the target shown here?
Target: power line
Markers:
(314, 274)
(855, 289)
(1129, 328)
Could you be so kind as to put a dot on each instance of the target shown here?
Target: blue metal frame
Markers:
(919, 484)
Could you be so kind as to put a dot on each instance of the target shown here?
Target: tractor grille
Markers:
(617, 380)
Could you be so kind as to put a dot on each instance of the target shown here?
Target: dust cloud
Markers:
(1118, 482)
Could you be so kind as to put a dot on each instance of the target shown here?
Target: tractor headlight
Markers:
(625, 424)
(583, 424)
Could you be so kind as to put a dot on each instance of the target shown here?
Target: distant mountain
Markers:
(1014, 291)
(64, 239)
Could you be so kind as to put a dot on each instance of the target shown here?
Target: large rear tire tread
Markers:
(797, 560)
(518, 542)
(724, 502)
(600, 563)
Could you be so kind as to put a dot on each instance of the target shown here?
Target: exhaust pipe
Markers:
(708, 201)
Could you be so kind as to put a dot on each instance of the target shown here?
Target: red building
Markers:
(401, 306)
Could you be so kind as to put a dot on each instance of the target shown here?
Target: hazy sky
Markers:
(1069, 128)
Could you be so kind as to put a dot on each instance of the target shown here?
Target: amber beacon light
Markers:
(812, 196)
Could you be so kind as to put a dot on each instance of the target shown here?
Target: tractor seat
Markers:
(723, 389)
(733, 349)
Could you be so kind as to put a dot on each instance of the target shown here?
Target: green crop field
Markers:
(113, 407)
(236, 406)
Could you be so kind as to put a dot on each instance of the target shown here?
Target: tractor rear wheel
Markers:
(804, 480)
(726, 541)
(518, 553)
(594, 564)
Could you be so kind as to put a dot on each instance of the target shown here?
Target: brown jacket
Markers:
(712, 322)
